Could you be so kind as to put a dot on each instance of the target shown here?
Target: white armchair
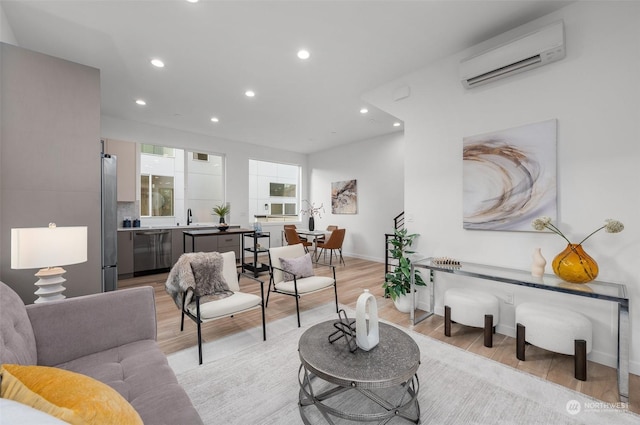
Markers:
(295, 283)
(201, 308)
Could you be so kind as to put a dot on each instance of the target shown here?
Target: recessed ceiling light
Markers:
(249, 93)
(364, 110)
(192, 1)
(157, 63)
(304, 54)
(214, 119)
(396, 124)
(141, 102)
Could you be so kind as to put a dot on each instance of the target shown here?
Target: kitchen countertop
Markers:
(169, 227)
(209, 232)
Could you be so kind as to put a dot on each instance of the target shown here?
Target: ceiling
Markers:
(215, 50)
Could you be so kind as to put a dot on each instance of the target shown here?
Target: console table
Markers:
(605, 291)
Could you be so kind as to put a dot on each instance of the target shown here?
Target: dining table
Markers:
(315, 234)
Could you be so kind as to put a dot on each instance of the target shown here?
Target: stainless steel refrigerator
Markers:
(109, 223)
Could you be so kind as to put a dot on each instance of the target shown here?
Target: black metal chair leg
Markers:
(268, 292)
(298, 310)
(264, 326)
(199, 322)
(199, 344)
(319, 254)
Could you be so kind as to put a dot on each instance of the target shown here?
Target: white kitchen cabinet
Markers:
(127, 155)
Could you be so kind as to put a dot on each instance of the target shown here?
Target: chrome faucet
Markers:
(189, 219)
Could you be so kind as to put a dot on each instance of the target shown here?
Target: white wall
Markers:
(377, 165)
(6, 32)
(595, 96)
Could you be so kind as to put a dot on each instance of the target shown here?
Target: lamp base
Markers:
(50, 284)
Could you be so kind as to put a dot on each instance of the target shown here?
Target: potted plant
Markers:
(397, 284)
(221, 211)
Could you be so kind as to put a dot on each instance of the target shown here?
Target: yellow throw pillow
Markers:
(69, 396)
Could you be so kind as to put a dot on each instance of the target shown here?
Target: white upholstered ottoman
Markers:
(471, 308)
(555, 329)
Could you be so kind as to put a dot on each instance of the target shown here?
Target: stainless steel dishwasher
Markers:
(151, 251)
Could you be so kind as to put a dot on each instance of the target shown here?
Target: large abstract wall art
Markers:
(509, 177)
(344, 197)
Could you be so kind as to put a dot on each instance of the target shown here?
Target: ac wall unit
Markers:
(517, 54)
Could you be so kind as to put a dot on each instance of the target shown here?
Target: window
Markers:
(156, 196)
(157, 150)
(173, 180)
(282, 189)
(199, 156)
(273, 191)
(284, 209)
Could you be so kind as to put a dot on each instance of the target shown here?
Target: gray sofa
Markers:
(110, 337)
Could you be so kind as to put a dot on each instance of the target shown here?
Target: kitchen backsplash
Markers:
(129, 210)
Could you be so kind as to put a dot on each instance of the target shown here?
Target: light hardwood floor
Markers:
(352, 279)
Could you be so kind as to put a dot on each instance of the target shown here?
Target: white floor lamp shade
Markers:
(48, 248)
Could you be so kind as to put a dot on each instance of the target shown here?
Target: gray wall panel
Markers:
(50, 158)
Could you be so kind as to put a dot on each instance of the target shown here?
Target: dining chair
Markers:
(190, 283)
(292, 273)
(292, 238)
(293, 226)
(330, 228)
(333, 243)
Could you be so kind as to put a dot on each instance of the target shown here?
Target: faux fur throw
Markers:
(201, 271)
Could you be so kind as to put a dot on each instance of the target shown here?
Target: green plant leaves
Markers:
(398, 282)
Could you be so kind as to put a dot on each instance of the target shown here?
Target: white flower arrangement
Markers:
(312, 210)
(610, 226)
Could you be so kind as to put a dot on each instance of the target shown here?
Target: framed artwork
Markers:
(509, 177)
(344, 197)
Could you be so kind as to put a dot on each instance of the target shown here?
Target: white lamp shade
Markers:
(39, 247)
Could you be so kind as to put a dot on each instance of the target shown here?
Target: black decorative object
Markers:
(312, 224)
(345, 328)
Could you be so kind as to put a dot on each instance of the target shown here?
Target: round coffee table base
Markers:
(336, 404)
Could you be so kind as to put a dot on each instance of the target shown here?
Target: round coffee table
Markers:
(365, 386)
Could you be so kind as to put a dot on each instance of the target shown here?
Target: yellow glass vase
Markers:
(574, 265)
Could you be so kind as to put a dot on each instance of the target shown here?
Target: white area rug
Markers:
(247, 381)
